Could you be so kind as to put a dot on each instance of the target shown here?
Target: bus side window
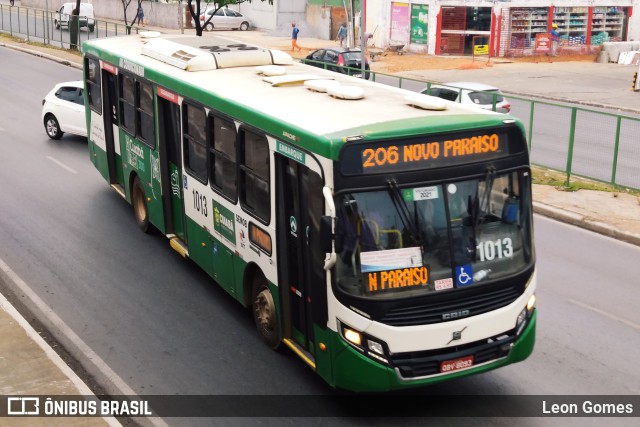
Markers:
(195, 145)
(224, 174)
(94, 89)
(128, 103)
(254, 174)
(145, 123)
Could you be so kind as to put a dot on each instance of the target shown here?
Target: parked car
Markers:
(63, 110)
(224, 18)
(469, 93)
(339, 59)
(85, 17)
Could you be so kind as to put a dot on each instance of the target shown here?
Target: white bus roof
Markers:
(236, 72)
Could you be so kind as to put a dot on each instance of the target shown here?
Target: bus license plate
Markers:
(357, 75)
(456, 364)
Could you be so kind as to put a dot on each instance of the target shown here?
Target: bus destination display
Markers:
(429, 153)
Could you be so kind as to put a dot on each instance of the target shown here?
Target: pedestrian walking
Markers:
(555, 36)
(140, 15)
(294, 37)
(342, 34)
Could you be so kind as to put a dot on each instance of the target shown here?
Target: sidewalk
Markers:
(29, 366)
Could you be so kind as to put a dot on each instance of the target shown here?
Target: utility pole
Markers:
(363, 42)
(180, 16)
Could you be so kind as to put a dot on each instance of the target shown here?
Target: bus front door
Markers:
(171, 166)
(300, 262)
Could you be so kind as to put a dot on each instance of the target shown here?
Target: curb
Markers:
(582, 221)
(43, 55)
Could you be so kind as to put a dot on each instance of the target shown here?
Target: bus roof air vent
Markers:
(320, 85)
(426, 102)
(346, 92)
(271, 70)
(281, 58)
(244, 55)
(291, 79)
(179, 55)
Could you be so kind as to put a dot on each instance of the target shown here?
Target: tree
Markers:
(219, 4)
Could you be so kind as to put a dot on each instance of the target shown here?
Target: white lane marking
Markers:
(48, 312)
(62, 165)
(606, 314)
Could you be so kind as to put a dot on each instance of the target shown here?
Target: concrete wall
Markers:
(155, 13)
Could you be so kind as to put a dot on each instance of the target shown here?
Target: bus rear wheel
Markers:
(139, 202)
(264, 312)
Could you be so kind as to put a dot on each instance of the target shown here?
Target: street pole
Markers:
(363, 42)
(180, 16)
(46, 19)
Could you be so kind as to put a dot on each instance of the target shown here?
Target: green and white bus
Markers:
(384, 236)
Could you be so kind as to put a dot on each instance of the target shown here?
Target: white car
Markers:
(469, 93)
(224, 18)
(85, 17)
(63, 110)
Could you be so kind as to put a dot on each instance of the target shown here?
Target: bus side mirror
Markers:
(326, 234)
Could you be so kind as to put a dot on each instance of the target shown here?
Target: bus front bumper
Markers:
(356, 372)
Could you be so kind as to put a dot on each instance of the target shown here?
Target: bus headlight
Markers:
(371, 347)
(531, 303)
(525, 314)
(353, 336)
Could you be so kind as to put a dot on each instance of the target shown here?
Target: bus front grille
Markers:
(418, 364)
(436, 313)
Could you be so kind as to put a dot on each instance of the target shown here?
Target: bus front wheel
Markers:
(264, 312)
(140, 210)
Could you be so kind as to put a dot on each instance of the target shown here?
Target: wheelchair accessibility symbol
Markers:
(464, 275)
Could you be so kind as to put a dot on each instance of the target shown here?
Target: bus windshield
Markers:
(403, 241)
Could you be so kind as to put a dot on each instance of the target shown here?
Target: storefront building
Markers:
(500, 28)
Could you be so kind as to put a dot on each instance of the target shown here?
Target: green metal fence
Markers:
(38, 26)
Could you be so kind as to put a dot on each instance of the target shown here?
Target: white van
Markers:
(86, 16)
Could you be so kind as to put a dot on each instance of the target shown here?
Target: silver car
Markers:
(224, 18)
(469, 93)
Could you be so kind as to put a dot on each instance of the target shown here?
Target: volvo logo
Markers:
(456, 315)
(457, 335)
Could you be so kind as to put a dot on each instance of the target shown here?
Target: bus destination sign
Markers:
(430, 152)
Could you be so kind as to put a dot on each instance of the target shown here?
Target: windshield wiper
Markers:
(403, 211)
(482, 204)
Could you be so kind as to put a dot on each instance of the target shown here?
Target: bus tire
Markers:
(264, 312)
(139, 202)
(52, 127)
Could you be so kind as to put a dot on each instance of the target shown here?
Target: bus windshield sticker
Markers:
(422, 193)
(391, 259)
(442, 284)
(464, 275)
